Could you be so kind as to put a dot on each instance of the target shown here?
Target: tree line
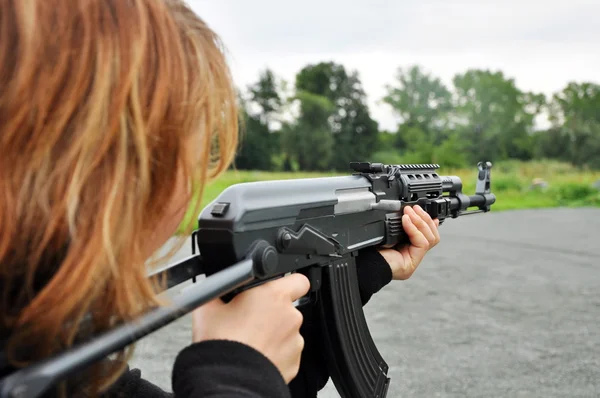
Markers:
(322, 121)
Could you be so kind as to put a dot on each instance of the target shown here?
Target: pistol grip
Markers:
(356, 367)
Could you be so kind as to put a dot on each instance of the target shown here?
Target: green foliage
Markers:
(450, 153)
(308, 142)
(354, 132)
(575, 112)
(257, 144)
(495, 117)
(387, 157)
(508, 182)
(573, 191)
(577, 101)
(419, 99)
(589, 201)
(385, 140)
(552, 144)
(325, 122)
(419, 148)
(265, 94)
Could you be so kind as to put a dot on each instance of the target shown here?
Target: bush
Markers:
(593, 200)
(450, 153)
(507, 183)
(573, 191)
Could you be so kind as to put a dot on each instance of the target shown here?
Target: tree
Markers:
(575, 111)
(450, 153)
(420, 101)
(307, 141)
(577, 101)
(259, 143)
(496, 118)
(266, 96)
(420, 149)
(256, 145)
(553, 143)
(354, 132)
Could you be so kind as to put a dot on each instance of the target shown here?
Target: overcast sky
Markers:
(542, 44)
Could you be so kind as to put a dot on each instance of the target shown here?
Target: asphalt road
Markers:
(507, 305)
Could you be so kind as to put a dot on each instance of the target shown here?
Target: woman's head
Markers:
(111, 113)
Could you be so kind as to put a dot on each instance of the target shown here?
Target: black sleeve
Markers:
(131, 385)
(219, 369)
(211, 369)
(373, 274)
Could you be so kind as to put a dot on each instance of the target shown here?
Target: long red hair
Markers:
(102, 104)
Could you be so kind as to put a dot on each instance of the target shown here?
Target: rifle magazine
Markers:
(356, 367)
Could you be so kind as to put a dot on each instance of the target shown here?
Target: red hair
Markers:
(102, 104)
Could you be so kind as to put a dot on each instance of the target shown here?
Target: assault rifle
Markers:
(254, 232)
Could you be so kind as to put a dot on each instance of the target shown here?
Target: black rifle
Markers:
(255, 232)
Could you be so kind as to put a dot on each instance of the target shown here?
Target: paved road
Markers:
(508, 305)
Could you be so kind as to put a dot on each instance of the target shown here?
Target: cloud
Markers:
(543, 45)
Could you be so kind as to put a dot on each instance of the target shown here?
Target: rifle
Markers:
(255, 232)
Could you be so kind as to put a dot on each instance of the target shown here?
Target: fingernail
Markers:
(418, 208)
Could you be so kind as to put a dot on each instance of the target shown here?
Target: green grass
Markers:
(511, 183)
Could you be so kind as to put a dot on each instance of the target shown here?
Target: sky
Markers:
(543, 45)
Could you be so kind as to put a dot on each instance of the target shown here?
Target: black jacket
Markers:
(219, 369)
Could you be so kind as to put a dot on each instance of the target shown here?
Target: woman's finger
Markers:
(415, 236)
(295, 285)
(432, 225)
(422, 225)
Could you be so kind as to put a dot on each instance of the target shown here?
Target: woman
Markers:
(112, 113)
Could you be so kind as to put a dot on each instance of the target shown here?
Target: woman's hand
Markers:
(423, 234)
(263, 318)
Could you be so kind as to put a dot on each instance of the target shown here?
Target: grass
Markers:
(511, 183)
